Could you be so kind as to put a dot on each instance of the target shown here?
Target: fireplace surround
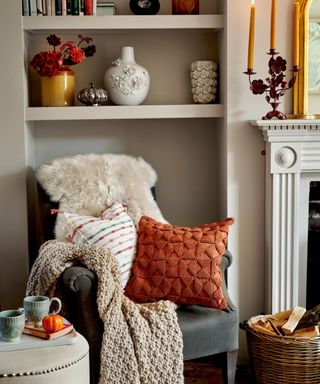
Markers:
(292, 162)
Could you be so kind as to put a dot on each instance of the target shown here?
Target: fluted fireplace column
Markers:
(292, 161)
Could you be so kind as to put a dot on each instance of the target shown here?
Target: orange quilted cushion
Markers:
(181, 264)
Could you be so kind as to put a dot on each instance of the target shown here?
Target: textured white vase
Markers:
(126, 82)
(203, 81)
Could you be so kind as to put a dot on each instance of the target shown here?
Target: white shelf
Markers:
(35, 24)
(112, 112)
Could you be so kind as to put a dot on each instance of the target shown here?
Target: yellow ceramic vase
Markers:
(58, 90)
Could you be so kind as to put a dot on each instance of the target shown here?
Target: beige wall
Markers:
(245, 166)
(13, 214)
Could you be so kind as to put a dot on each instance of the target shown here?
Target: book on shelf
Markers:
(69, 7)
(39, 8)
(64, 7)
(48, 7)
(33, 8)
(44, 7)
(53, 7)
(81, 11)
(58, 7)
(88, 10)
(29, 329)
(75, 7)
(25, 8)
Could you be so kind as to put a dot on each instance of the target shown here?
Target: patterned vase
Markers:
(58, 90)
(126, 82)
(203, 81)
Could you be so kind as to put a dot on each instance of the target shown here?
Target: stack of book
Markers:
(67, 7)
(29, 329)
(105, 7)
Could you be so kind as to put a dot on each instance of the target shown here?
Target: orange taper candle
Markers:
(273, 25)
(251, 36)
(296, 34)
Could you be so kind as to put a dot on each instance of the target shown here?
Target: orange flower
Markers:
(48, 63)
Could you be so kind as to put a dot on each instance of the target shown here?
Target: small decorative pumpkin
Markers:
(93, 96)
(52, 323)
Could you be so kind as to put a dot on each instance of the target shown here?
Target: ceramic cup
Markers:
(11, 324)
(37, 307)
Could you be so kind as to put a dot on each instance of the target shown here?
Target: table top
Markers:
(27, 361)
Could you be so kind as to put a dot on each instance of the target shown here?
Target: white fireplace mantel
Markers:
(292, 161)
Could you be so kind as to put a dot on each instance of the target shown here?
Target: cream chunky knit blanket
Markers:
(142, 343)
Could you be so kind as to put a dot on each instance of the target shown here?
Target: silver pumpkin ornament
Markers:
(93, 96)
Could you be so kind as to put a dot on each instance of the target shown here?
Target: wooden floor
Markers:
(208, 371)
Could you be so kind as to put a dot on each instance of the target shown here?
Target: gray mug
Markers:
(37, 307)
(11, 324)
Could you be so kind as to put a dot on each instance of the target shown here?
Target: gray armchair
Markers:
(205, 331)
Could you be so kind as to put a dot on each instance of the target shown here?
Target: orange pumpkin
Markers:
(52, 323)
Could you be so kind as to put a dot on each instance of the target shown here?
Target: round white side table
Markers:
(67, 364)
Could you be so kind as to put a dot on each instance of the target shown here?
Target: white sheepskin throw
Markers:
(88, 184)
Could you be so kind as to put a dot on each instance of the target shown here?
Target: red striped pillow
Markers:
(114, 231)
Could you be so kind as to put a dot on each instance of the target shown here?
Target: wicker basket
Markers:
(277, 359)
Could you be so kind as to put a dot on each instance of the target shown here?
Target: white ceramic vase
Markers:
(126, 82)
(203, 81)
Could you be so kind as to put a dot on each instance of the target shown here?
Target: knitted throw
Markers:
(142, 343)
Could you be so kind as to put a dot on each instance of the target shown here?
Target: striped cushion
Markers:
(114, 231)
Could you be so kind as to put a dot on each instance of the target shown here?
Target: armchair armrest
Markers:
(226, 261)
(79, 288)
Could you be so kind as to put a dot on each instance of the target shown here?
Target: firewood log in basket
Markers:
(311, 317)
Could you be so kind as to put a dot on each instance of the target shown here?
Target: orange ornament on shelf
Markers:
(180, 7)
(52, 323)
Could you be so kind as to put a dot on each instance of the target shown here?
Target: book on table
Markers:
(29, 329)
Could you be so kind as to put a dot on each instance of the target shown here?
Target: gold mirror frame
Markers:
(300, 92)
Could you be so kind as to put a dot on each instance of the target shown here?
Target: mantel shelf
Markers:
(283, 124)
(37, 24)
(112, 112)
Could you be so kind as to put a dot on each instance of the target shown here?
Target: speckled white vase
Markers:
(203, 81)
(126, 82)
